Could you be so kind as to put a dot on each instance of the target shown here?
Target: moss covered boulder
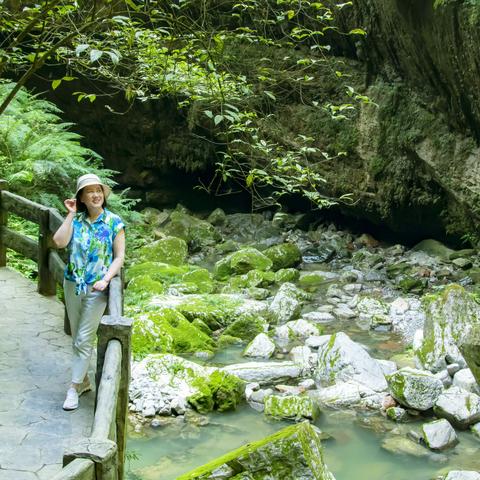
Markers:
(291, 407)
(246, 328)
(287, 303)
(197, 233)
(219, 391)
(450, 318)
(242, 261)
(284, 255)
(294, 452)
(170, 250)
(414, 388)
(216, 310)
(167, 330)
(158, 271)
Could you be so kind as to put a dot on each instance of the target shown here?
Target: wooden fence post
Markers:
(119, 328)
(46, 280)
(3, 223)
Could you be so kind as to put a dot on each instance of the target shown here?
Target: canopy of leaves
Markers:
(229, 64)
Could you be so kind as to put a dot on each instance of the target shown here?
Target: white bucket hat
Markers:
(92, 179)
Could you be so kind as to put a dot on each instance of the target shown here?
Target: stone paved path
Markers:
(34, 375)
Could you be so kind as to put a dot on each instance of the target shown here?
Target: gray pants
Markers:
(84, 312)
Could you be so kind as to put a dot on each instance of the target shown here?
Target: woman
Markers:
(96, 240)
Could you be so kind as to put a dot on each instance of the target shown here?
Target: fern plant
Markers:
(40, 156)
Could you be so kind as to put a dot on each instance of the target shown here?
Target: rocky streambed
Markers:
(301, 339)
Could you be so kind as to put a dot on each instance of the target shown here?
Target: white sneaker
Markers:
(71, 402)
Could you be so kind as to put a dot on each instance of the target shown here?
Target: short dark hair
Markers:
(81, 207)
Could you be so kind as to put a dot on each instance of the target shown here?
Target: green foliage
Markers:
(41, 158)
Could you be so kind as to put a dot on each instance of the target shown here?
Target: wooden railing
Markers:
(102, 455)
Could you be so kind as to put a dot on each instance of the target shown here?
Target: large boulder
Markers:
(170, 250)
(450, 318)
(265, 372)
(284, 255)
(347, 395)
(342, 360)
(260, 347)
(462, 475)
(241, 262)
(439, 435)
(293, 452)
(459, 407)
(287, 303)
(415, 388)
(167, 331)
(406, 316)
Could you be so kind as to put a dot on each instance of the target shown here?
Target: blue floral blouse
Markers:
(91, 248)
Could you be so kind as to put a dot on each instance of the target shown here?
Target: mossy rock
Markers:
(411, 284)
(216, 310)
(291, 407)
(284, 255)
(171, 250)
(253, 278)
(286, 275)
(221, 391)
(311, 280)
(166, 330)
(158, 271)
(201, 325)
(400, 268)
(144, 286)
(228, 340)
(246, 328)
(197, 233)
(294, 452)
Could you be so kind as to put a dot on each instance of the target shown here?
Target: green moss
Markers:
(249, 259)
(168, 331)
(283, 256)
(312, 279)
(282, 455)
(220, 391)
(412, 284)
(160, 272)
(253, 278)
(227, 340)
(169, 250)
(291, 407)
(246, 328)
(286, 275)
(144, 286)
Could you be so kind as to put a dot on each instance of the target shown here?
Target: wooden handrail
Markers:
(101, 456)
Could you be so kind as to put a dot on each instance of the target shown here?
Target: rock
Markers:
(406, 316)
(261, 347)
(311, 279)
(291, 407)
(459, 407)
(450, 319)
(465, 380)
(463, 263)
(293, 452)
(476, 429)
(316, 341)
(433, 248)
(372, 312)
(287, 303)
(318, 317)
(415, 388)
(294, 330)
(169, 250)
(309, 384)
(346, 395)
(158, 380)
(286, 275)
(401, 445)
(197, 233)
(397, 414)
(445, 378)
(343, 311)
(453, 368)
(340, 359)
(246, 328)
(264, 372)
(217, 217)
(439, 435)
(284, 255)
(167, 330)
(304, 357)
(242, 261)
(388, 367)
(462, 475)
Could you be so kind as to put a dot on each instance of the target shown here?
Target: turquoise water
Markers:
(354, 452)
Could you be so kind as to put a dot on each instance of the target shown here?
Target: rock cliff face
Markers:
(413, 160)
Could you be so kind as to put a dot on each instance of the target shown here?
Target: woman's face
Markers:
(92, 196)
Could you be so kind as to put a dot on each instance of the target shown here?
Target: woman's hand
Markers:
(101, 285)
(71, 205)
